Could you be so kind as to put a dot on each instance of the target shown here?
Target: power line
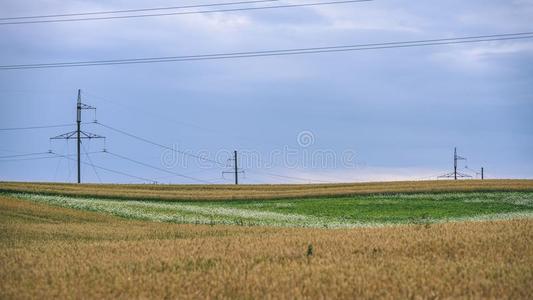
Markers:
(35, 127)
(26, 154)
(91, 163)
(281, 52)
(27, 159)
(158, 116)
(290, 177)
(40, 158)
(477, 173)
(6, 150)
(134, 10)
(166, 118)
(160, 145)
(111, 170)
(59, 162)
(185, 13)
(254, 170)
(189, 174)
(156, 168)
(428, 177)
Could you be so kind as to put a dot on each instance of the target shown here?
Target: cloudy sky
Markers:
(353, 116)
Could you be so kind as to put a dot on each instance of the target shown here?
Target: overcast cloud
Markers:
(399, 112)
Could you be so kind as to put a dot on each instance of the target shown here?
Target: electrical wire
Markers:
(26, 154)
(261, 162)
(134, 10)
(157, 116)
(281, 52)
(432, 177)
(59, 161)
(46, 157)
(156, 168)
(10, 151)
(476, 172)
(185, 13)
(35, 127)
(68, 163)
(111, 170)
(160, 145)
(290, 177)
(188, 174)
(91, 163)
(27, 159)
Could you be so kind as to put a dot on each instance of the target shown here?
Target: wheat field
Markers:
(324, 212)
(261, 192)
(53, 252)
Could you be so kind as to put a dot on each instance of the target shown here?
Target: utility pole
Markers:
(455, 163)
(236, 165)
(482, 175)
(455, 174)
(235, 168)
(78, 134)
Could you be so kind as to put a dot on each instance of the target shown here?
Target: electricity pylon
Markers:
(78, 134)
(455, 174)
(235, 171)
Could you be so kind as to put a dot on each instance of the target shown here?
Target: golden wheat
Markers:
(51, 252)
(228, 192)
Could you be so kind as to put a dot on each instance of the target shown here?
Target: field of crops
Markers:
(251, 192)
(54, 252)
(343, 212)
(467, 239)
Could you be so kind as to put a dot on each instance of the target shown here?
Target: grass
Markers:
(262, 192)
(391, 240)
(54, 252)
(376, 210)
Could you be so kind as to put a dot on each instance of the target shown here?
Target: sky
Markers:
(377, 115)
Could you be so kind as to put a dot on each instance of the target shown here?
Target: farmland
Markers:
(342, 212)
(62, 241)
(262, 192)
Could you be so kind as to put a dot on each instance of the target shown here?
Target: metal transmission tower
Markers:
(455, 174)
(78, 134)
(235, 168)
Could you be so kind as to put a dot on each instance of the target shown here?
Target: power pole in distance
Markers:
(455, 174)
(482, 173)
(455, 163)
(236, 165)
(78, 134)
(235, 168)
